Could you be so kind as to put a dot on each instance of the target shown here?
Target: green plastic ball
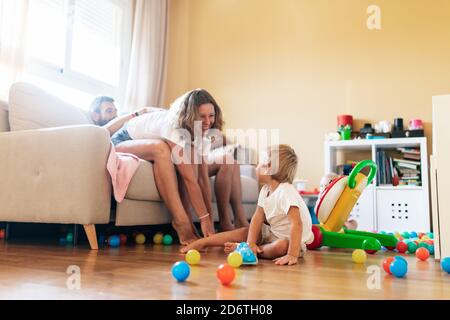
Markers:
(167, 240)
(412, 247)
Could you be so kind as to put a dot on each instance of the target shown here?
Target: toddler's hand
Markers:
(255, 248)
(287, 259)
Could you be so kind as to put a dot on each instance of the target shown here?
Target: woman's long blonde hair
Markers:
(189, 110)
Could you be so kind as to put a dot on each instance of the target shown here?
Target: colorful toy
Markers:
(235, 259)
(248, 257)
(193, 257)
(401, 258)
(167, 240)
(402, 247)
(225, 274)
(359, 256)
(158, 238)
(123, 239)
(422, 254)
(445, 264)
(140, 238)
(335, 206)
(387, 263)
(398, 268)
(181, 271)
(412, 247)
(114, 241)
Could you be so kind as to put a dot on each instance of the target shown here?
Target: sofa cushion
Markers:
(32, 108)
(4, 122)
(142, 186)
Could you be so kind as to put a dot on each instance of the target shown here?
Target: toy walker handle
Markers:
(357, 169)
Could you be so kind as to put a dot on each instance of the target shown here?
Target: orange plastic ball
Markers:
(422, 254)
(226, 274)
(387, 263)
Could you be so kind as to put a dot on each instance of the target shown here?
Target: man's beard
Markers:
(102, 122)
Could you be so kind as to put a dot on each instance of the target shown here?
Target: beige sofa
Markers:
(53, 164)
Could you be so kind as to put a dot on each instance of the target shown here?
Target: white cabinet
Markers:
(401, 210)
(386, 208)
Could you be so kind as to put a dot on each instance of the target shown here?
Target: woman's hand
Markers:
(145, 110)
(287, 259)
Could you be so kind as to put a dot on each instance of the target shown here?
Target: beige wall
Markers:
(296, 64)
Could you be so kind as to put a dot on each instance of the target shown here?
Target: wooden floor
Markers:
(30, 271)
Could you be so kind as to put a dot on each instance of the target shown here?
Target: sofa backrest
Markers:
(4, 122)
(32, 108)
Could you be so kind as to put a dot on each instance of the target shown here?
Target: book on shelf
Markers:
(394, 169)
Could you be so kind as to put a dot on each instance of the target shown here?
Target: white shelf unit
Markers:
(387, 208)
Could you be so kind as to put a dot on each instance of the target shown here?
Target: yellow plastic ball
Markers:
(140, 238)
(193, 257)
(234, 259)
(359, 256)
(158, 238)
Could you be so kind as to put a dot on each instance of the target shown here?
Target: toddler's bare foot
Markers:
(185, 233)
(230, 246)
(197, 245)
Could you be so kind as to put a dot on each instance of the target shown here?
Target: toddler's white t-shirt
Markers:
(276, 207)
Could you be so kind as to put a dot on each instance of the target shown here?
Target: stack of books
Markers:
(401, 169)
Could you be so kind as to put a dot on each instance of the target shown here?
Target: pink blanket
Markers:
(121, 167)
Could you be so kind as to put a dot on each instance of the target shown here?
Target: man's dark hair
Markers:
(95, 105)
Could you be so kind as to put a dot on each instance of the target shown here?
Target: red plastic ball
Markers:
(226, 274)
(422, 254)
(317, 243)
(123, 239)
(402, 247)
(387, 263)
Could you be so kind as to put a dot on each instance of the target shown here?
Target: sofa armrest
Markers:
(248, 170)
(55, 175)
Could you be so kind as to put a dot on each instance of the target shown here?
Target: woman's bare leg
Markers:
(240, 219)
(218, 240)
(166, 181)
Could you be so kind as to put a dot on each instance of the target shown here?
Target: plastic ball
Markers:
(412, 247)
(158, 238)
(193, 257)
(387, 263)
(431, 249)
(114, 241)
(225, 274)
(69, 237)
(445, 264)
(398, 268)
(62, 241)
(140, 238)
(422, 254)
(359, 256)
(123, 239)
(401, 258)
(402, 247)
(423, 245)
(413, 234)
(406, 235)
(430, 235)
(235, 259)
(181, 271)
(371, 245)
(317, 242)
(167, 240)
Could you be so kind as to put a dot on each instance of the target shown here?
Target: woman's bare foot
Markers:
(228, 226)
(207, 227)
(185, 233)
(197, 245)
(230, 246)
(241, 223)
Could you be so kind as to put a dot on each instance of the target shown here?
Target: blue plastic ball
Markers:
(114, 241)
(431, 249)
(398, 268)
(181, 271)
(445, 264)
(62, 241)
(401, 258)
(413, 234)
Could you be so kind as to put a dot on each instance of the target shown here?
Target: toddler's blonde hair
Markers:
(284, 162)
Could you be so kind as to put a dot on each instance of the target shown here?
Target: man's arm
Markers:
(114, 125)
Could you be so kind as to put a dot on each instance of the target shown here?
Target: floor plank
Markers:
(32, 271)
